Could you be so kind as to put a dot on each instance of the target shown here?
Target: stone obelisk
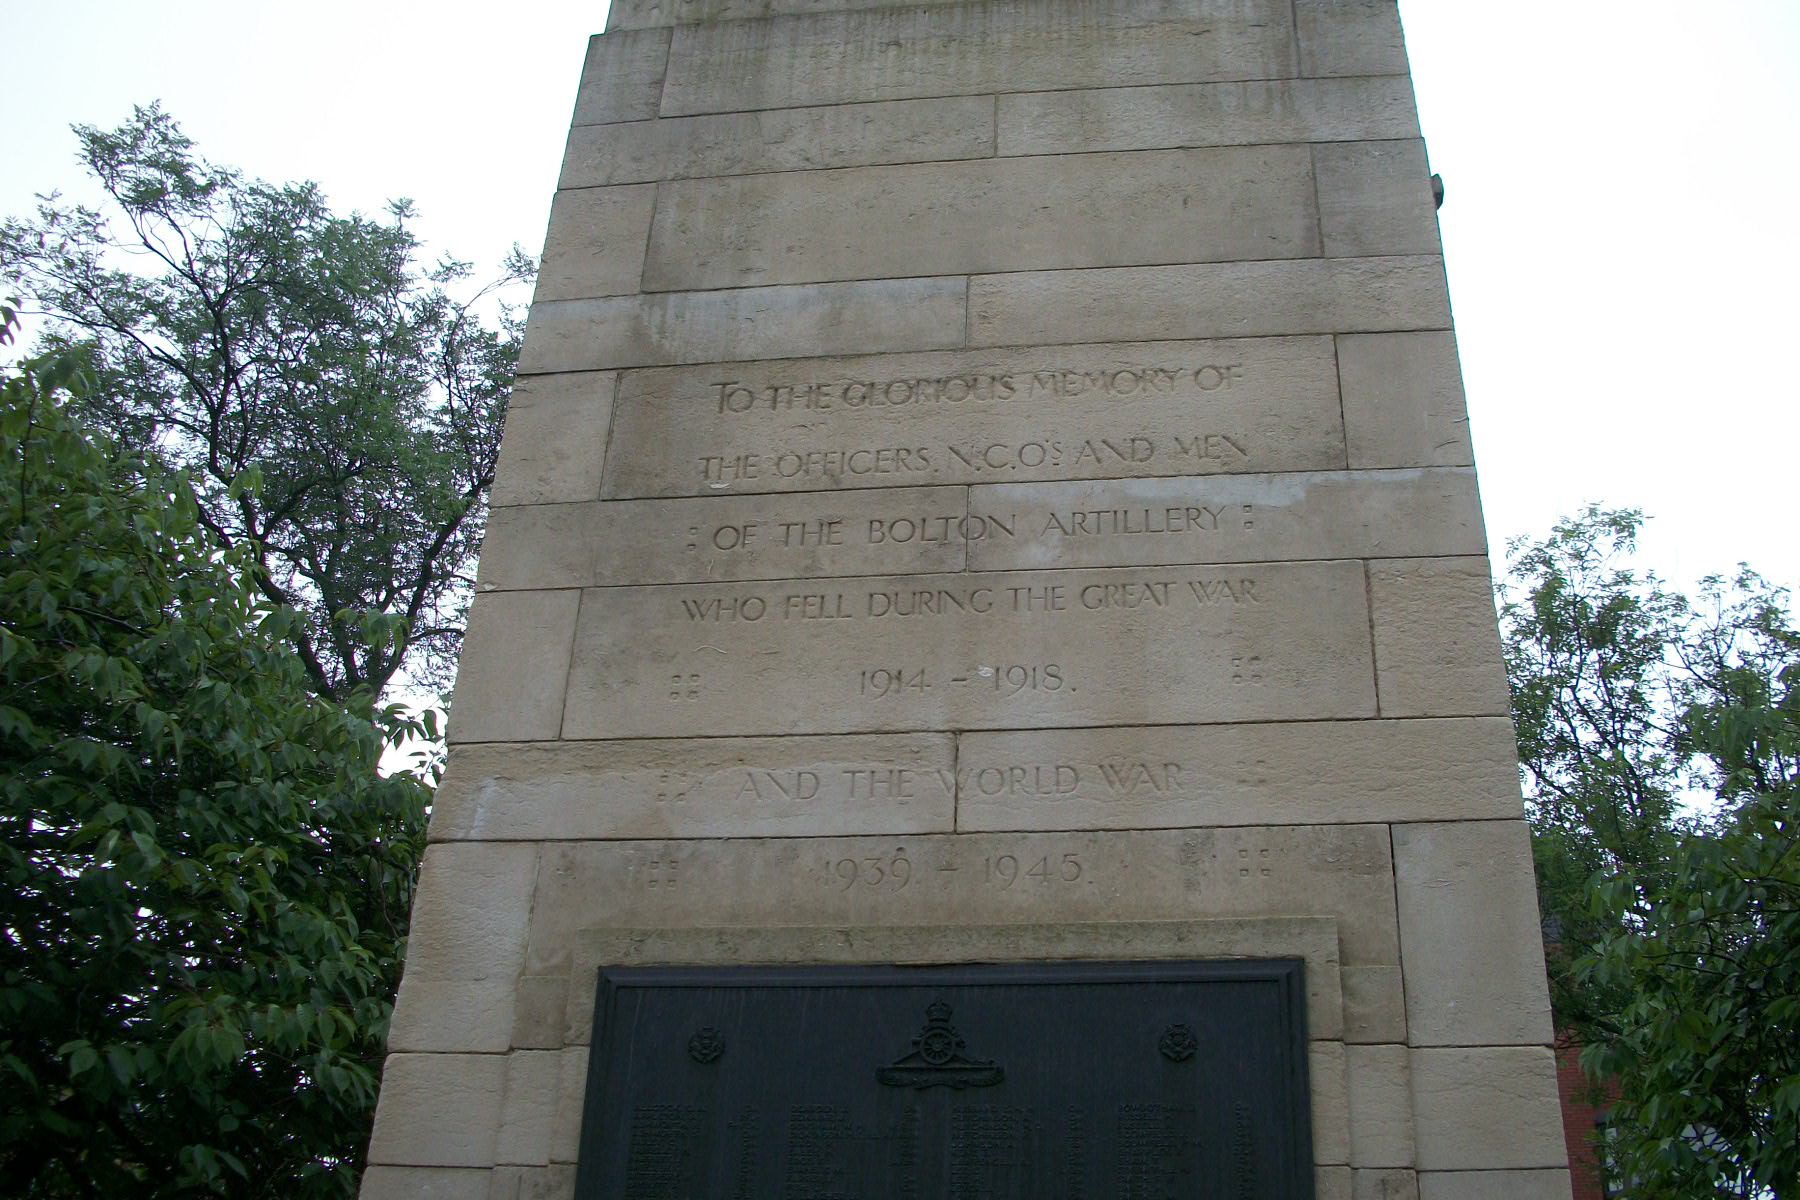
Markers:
(987, 483)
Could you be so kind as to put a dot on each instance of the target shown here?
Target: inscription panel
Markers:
(1230, 642)
(1124, 522)
(728, 538)
(712, 787)
(971, 879)
(1073, 412)
(1171, 776)
(1036, 1082)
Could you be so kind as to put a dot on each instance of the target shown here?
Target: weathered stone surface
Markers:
(435, 1016)
(1257, 112)
(528, 1113)
(470, 919)
(1328, 1077)
(565, 1134)
(1469, 930)
(1209, 300)
(970, 880)
(1374, 1005)
(1403, 400)
(1313, 939)
(1437, 647)
(424, 1183)
(637, 14)
(1489, 1108)
(1034, 413)
(713, 787)
(554, 1182)
(726, 538)
(1381, 1118)
(744, 323)
(555, 441)
(1228, 518)
(1375, 198)
(1332, 1182)
(1300, 773)
(1385, 1183)
(595, 246)
(622, 79)
(972, 49)
(515, 659)
(540, 1012)
(785, 139)
(996, 214)
(1494, 1185)
(1350, 37)
(1272, 641)
(439, 1110)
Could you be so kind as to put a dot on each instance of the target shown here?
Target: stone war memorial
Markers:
(983, 680)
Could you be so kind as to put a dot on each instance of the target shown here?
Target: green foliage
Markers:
(1660, 740)
(242, 331)
(205, 881)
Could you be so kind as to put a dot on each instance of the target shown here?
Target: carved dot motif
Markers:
(1178, 1043)
(706, 1045)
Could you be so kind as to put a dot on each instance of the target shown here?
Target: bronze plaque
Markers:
(1052, 1081)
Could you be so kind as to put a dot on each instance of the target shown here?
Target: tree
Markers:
(204, 879)
(1660, 742)
(242, 330)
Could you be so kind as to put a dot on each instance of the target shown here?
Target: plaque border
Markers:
(1288, 974)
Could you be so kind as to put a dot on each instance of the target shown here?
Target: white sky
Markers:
(1622, 183)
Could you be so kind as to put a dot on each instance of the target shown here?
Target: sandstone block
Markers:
(1381, 1116)
(1256, 112)
(964, 880)
(439, 1110)
(1033, 413)
(1332, 1183)
(1211, 300)
(995, 214)
(555, 441)
(424, 1183)
(515, 659)
(1169, 776)
(1328, 1076)
(1469, 930)
(1403, 400)
(554, 1182)
(636, 14)
(713, 787)
(1312, 939)
(622, 79)
(744, 323)
(540, 1012)
(1385, 1184)
(1488, 1108)
(1350, 37)
(528, 1113)
(615, 542)
(565, 1140)
(1273, 641)
(595, 246)
(444, 1015)
(470, 918)
(783, 139)
(971, 49)
(1437, 645)
(1494, 1185)
(1375, 198)
(1374, 1005)
(1242, 518)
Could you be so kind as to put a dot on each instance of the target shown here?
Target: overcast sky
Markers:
(1620, 224)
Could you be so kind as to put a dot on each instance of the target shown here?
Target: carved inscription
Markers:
(1157, 409)
(1229, 643)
